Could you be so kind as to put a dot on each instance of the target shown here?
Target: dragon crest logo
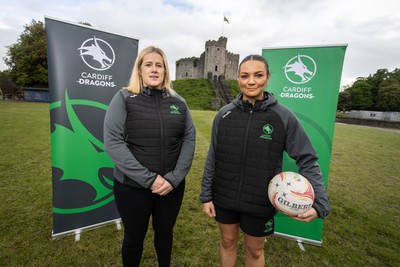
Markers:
(174, 109)
(267, 129)
(97, 54)
(269, 225)
(300, 69)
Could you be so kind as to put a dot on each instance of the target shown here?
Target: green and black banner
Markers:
(307, 80)
(86, 68)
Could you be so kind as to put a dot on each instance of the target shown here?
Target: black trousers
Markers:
(135, 206)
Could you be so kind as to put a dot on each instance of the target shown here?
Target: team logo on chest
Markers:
(174, 109)
(267, 131)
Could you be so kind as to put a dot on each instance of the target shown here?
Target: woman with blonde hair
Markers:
(136, 83)
(150, 136)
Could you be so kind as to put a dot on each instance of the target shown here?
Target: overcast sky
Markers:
(370, 28)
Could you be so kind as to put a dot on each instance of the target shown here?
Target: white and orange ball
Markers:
(291, 193)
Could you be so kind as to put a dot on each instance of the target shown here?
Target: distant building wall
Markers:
(36, 94)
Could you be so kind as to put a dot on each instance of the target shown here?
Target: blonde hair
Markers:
(135, 84)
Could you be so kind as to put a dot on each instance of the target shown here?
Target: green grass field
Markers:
(362, 229)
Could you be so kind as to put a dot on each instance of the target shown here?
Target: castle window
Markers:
(186, 74)
(216, 68)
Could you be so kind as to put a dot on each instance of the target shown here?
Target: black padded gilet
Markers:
(248, 155)
(155, 126)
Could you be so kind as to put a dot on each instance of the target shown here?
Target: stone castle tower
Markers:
(215, 61)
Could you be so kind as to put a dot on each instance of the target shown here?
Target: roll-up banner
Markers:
(307, 80)
(86, 68)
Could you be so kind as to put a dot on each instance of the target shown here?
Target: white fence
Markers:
(373, 115)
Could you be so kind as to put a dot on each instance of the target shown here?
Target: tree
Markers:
(387, 82)
(27, 59)
(395, 74)
(374, 81)
(388, 98)
(361, 96)
(8, 87)
(344, 102)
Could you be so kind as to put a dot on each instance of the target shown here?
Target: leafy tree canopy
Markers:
(361, 96)
(376, 92)
(388, 98)
(344, 102)
(27, 59)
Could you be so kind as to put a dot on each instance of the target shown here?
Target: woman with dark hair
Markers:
(242, 160)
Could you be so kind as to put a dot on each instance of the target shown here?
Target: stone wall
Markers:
(189, 68)
(232, 65)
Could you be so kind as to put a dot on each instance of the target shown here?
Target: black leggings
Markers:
(135, 206)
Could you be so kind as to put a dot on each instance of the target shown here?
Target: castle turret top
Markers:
(221, 42)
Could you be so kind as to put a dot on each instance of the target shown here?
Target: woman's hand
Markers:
(209, 209)
(161, 186)
(307, 216)
(157, 182)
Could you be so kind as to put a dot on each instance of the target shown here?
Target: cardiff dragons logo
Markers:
(300, 69)
(81, 167)
(97, 54)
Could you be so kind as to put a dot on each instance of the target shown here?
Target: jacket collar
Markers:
(152, 92)
(268, 100)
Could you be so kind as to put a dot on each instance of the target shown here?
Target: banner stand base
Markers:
(77, 232)
(301, 246)
(77, 235)
(118, 223)
(300, 240)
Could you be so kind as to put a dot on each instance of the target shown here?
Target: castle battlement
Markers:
(222, 41)
(187, 59)
(215, 60)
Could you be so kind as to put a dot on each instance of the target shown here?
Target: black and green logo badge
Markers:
(174, 109)
(269, 226)
(267, 132)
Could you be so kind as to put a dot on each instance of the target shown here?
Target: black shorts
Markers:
(250, 224)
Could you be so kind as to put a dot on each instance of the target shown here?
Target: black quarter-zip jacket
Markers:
(147, 134)
(246, 151)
